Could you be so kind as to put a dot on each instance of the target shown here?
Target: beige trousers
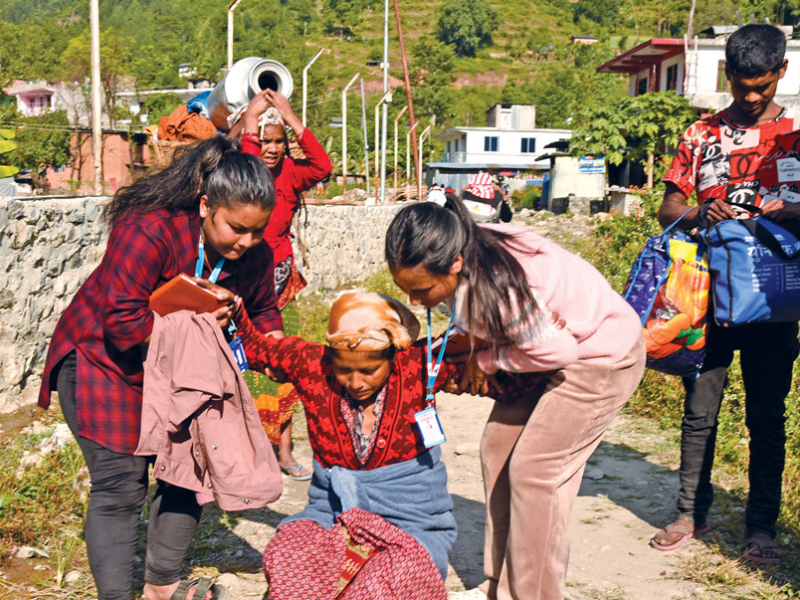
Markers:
(533, 456)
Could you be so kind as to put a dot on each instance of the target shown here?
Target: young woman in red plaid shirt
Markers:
(213, 193)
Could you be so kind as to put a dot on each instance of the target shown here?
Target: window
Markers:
(490, 143)
(528, 145)
(448, 147)
(723, 85)
(672, 78)
(642, 86)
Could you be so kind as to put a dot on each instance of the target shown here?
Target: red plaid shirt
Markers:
(108, 317)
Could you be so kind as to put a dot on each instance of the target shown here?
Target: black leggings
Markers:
(118, 492)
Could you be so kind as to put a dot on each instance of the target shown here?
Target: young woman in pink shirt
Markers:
(529, 306)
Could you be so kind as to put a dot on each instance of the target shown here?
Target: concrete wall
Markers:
(49, 247)
(566, 180)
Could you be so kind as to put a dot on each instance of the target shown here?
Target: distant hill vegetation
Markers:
(464, 55)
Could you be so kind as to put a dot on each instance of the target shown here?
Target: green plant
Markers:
(64, 550)
(618, 238)
(35, 503)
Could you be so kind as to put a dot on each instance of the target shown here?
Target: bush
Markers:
(528, 197)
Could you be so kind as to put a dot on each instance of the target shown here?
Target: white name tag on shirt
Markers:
(788, 169)
(429, 427)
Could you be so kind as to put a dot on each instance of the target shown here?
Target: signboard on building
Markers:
(591, 165)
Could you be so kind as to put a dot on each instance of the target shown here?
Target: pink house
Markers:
(33, 97)
(124, 157)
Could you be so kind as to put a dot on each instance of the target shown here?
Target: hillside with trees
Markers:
(464, 55)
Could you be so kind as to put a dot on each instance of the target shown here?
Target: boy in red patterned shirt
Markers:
(719, 159)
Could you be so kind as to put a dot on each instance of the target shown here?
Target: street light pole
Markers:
(366, 136)
(97, 104)
(408, 154)
(305, 82)
(231, 8)
(385, 94)
(397, 118)
(344, 133)
(419, 176)
(379, 188)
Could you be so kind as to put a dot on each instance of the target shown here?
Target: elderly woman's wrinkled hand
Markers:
(476, 381)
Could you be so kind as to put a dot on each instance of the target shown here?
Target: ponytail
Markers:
(433, 236)
(213, 167)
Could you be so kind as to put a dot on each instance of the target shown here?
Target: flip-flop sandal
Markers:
(687, 530)
(297, 476)
(754, 549)
(203, 586)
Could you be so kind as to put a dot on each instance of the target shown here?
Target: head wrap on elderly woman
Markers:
(366, 321)
(271, 116)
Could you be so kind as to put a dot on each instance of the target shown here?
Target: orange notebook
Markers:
(182, 293)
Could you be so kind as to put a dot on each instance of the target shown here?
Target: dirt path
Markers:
(623, 499)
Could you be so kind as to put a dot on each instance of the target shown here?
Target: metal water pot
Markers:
(245, 79)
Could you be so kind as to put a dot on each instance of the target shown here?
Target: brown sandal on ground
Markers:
(676, 534)
(199, 589)
(761, 548)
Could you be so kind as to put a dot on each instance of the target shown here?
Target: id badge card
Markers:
(429, 427)
(238, 353)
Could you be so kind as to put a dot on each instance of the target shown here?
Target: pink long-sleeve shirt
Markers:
(600, 325)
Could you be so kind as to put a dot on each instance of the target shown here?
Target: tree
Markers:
(115, 64)
(160, 105)
(342, 17)
(42, 142)
(657, 121)
(633, 128)
(467, 25)
(604, 12)
(432, 75)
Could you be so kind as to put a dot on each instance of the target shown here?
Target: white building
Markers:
(695, 69)
(508, 147)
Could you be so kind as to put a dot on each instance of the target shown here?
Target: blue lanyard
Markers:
(201, 261)
(433, 370)
(198, 272)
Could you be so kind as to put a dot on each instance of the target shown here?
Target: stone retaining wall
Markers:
(48, 248)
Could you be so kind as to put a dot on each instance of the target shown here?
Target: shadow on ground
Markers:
(633, 481)
(466, 556)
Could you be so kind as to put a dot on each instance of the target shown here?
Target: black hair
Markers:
(214, 167)
(755, 50)
(433, 236)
